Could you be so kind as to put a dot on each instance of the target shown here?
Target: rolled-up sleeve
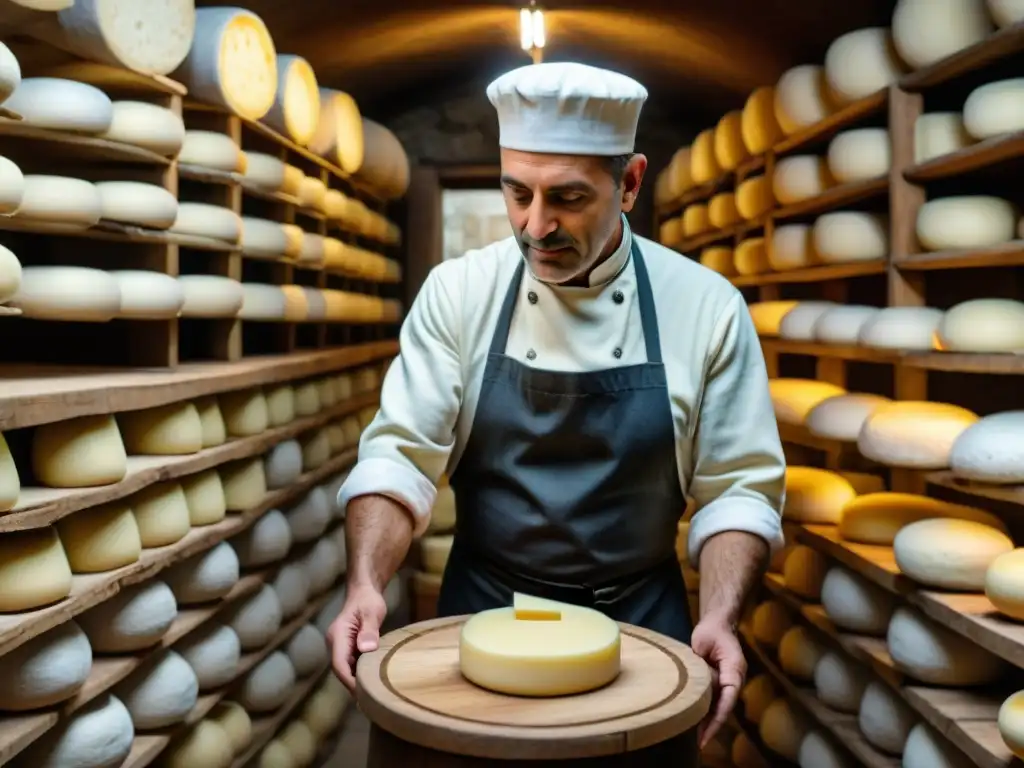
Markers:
(739, 470)
(404, 451)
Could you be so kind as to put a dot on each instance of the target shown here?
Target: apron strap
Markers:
(500, 338)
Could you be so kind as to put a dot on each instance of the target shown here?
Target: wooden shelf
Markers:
(814, 274)
(838, 197)
(935, 361)
(984, 154)
(831, 125)
(112, 231)
(72, 145)
(114, 79)
(1008, 494)
(1009, 254)
(1001, 44)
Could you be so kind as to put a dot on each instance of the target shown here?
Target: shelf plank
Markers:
(1009, 254)
(976, 157)
(1008, 494)
(839, 196)
(837, 351)
(114, 79)
(844, 118)
(1001, 44)
(958, 362)
(814, 274)
(19, 136)
(876, 563)
(115, 232)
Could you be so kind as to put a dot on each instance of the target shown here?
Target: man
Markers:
(577, 382)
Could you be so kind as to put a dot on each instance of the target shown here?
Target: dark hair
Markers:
(616, 166)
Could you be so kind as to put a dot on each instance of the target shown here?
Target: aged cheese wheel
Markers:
(983, 325)
(10, 483)
(696, 220)
(816, 751)
(861, 63)
(912, 434)
(339, 132)
(745, 754)
(267, 541)
(245, 485)
(211, 420)
(759, 124)
(670, 233)
(947, 553)
(262, 302)
(927, 31)
(69, 294)
(316, 450)
(101, 538)
(213, 221)
(68, 203)
(802, 98)
(245, 412)
(990, 450)
(204, 745)
(1011, 723)
(799, 653)
(300, 741)
(782, 729)
(966, 221)
(730, 150)
(842, 324)
(842, 417)
(751, 256)
(994, 109)
(210, 149)
(385, 165)
(257, 618)
(1005, 13)
(61, 105)
(263, 238)
(722, 210)
(859, 154)
(925, 748)
(10, 72)
(719, 259)
(842, 237)
(876, 518)
(307, 650)
(204, 577)
(211, 296)
(771, 620)
(280, 404)
(133, 619)
(855, 604)
(815, 496)
(937, 656)
(98, 735)
(165, 430)
(793, 399)
(276, 755)
(754, 197)
(10, 267)
(792, 247)
(324, 709)
(350, 426)
(798, 324)
(291, 585)
(325, 562)
(909, 328)
(804, 571)
(703, 165)
(79, 453)
(148, 295)
(757, 694)
(679, 177)
(767, 316)
(267, 687)
(884, 719)
(307, 399)
(232, 62)
(1003, 585)
(434, 552)
(296, 108)
(34, 570)
(146, 125)
(204, 493)
(45, 670)
(800, 177)
(162, 693)
(282, 465)
(264, 171)
(236, 723)
(161, 513)
(840, 682)
(939, 133)
(213, 652)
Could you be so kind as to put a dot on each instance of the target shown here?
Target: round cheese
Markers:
(802, 98)
(927, 31)
(751, 256)
(101, 538)
(804, 571)
(339, 131)
(983, 325)
(792, 247)
(1011, 723)
(211, 296)
(146, 125)
(730, 150)
(966, 221)
(205, 745)
(324, 709)
(204, 577)
(296, 108)
(212, 221)
(799, 653)
(842, 237)
(12, 195)
(798, 324)
(148, 295)
(793, 399)
(855, 604)
(859, 154)
(282, 465)
(909, 328)
(754, 197)
(884, 719)
(98, 735)
(767, 316)
(61, 105)
(212, 421)
(815, 496)
(309, 518)
(210, 149)
(947, 553)
(263, 239)
(670, 233)
(816, 751)
(875, 518)
(204, 493)
(1005, 13)
(757, 694)
(276, 755)
(800, 177)
(722, 211)
(1004, 586)
(937, 134)
(771, 621)
(213, 652)
(266, 542)
(133, 619)
(759, 124)
(10, 483)
(10, 72)
(912, 434)
(925, 748)
(325, 562)
(161, 513)
(45, 670)
(839, 682)
(782, 729)
(132, 202)
(291, 584)
(264, 171)
(256, 619)
(268, 686)
(316, 450)
(162, 693)
(434, 552)
(280, 404)
(245, 412)
(300, 742)
(935, 655)
(994, 109)
(71, 204)
(695, 220)
(166, 430)
(34, 570)
(842, 324)
(861, 63)
(745, 754)
(843, 417)
(245, 485)
(703, 165)
(10, 268)
(307, 650)
(236, 723)
(865, 482)
(350, 426)
(79, 453)
(307, 399)
(330, 611)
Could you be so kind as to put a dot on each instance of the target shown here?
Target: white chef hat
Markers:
(567, 109)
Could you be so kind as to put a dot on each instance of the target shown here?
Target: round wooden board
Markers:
(412, 687)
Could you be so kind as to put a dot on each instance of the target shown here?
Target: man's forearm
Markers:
(378, 533)
(731, 563)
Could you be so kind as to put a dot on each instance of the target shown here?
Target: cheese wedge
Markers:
(529, 608)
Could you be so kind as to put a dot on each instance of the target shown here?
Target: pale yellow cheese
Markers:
(101, 538)
(316, 449)
(307, 399)
(949, 554)
(10, 483)
(280, 405)
(205, 745)
(245, 484)
(875, 518)
(530, 608)
(300, 742)
(245, 412)
(34, 570)
(434, 552)
(913, 434)
(296, 109)
(214, 430)
(703, 165)
(793, 399)
(161, 514)
(1010, 721)
(339, 134)
(166, 430)
(236, 723)
(204, 494)
(816, 496)
(79, 453)
(1004, 583)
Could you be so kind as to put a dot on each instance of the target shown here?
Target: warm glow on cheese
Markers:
(530, 608)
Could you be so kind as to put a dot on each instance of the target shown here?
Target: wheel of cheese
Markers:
(236, 723)
(245, 412)
(204, 493)
(767, 316)
(10, 274)
(296, 109)
(256, 619)
(98, 735)
(34, 570)
(782, 729)
(925, 748)
(799, 653)
(71, 204)
(324, 710)
(913, 434)
(166, 430)
(793, 399)
(352, 431)
(78, 453)
(983, 325)
(798, 324)
(744, 753)
(160, 694)
(245, 485)
(1005, 13)
(316, 450)
(815, 496)
(48, 669)
(757, 695)
(145, 125)
(330, 610)
(307, 399)
(855, 604)
(909, 328)
(312, 250)
(266, 542)
(276, 755)
(754, 197)
(280, 404)
(679, 179)
(927, 31)
(327, 393)
(1003, 585)
(859, 154)
(876, 518)
(211, 296)
(703, 165)
(670, 233)
(307, 650)
(800, 177)
(325, 562)
(994, 109)
(804, 571)
(308, 519)
(12, 194)
(991, 450)
(211, 420)
(213, 221)
(939, 133)
(840, 682)
(884, 719)
(339, 132)
(132, 620)
(722, 210)
(267, 687)
(61, 105)
(210, 149)
(263, 239)
(1011, 723)
(264, 171)
(842, 417)
(148, 295)
(935, 655)
(282, 465)
(69, 294)
(10, 483)
(204, 745)
(759, 124)
(695, 220)
(101, 538)
(161, 513)
(802, 98)
(865, 482)
(291, 585)
(213, 652)
(718, 259)
(950, 554)
(10, 72)
(861, 63)
(296, 310)
(816, 751)
(312, 193)
(232, 62)
(962, 222)
(842, 237)
(730, 150)
(751, 256)
(204, 577)
(385, 165)
(300, 742)
(771, 621)
(843, 324)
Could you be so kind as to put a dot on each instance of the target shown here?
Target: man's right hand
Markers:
(356, 631)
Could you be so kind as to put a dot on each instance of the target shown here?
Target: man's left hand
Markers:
(715, 641)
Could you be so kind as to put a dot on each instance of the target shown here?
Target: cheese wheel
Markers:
(815, 496)
(804, 571)
(256, 618)
(798, 324)
(204, 577)
(133, 619)
(300, 742)
(268, 686)
(291, 585)
(799, 653)
(385, 165)
(162, 693)
(502, 650)
(947, 553)
(861, 63)
(754, 197)
(245, 412)
(864, 482)
(792, 247)
(280, 404)
(983, 325)
(935, 655)
(45, 670)
(859, 154)
(793, 399)
(718, 259)
(205, 745)
(802, 98)
(703, 165)
(307, 650)
(245, 485)
(61, 105)
(10, 72)
(213, 652)
(232, 62)
(327, 393)
(312, 193)
(211, 421)
(68, 294)
(307, 399)
(877, 517)
(937, 134)
(782, 728)
(211, 149)
(331, 609)
(78, 453)
(166, 430)
(670, 233)
(211, 296)
(839, 682)
(911, 434)
(843, 417)
(324, 709)
(730, 150)
(264, 171)
(966, 221)
(267, 541)
(767, 316)
(204, 493)
(262, 302)
(146, 125)
(101, 538)
(800, 177)
(1011, 723)
(148, 295)
(10, 483)
(770, 622)
(282, 465)
(909, 328)
(925, 748)
(680, 180)
(884, 719)
(316, 450)
(325, 562)
(236, 723)
(990, 450)
(296, 108)
(213, 221)
(10, 267)
(759, 124)
(927, 31)
(816, 751)
(98, 735)
(352, 430)
(34, 570)
(756, 695)
(751, 256)
(1005, 13)
(434, 552)
(855, 604)
(843, 324)
(722, 210)
(70, 204)
(276, 755)
(161, 513)
(843, 237)
(994, 109)
(339, 132)
(745, 754)
(695, 220)
(263, 239)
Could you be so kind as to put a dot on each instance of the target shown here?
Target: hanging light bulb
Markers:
(532, 34)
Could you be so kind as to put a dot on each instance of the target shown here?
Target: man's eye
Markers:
(568, 199)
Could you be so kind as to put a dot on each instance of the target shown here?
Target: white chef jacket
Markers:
(728, 450)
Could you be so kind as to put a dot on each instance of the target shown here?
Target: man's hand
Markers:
(355, 631)
(715, 641)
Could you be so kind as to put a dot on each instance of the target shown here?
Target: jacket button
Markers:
(531, 355)
(532, 297)
(617, 352)
(618, 298)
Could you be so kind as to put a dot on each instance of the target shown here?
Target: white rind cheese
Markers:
(210, 149)
(48, 669)
(282, 465)
(213, 221)
(262, 302)
(767, 316)
(935, 655)
(263, 239)
(59, 200)
(256, 619)
(204, 577)
(816, 751)
(160, 694)
(267, 541)
(843, 237)
(264, 171)
(61, 105)
(802, 98)
(910, 328)
(291, 584)
(800, 177)
(309, 518)
(937, 134)
(799, 323)
(339, 133)
(133, 619)
(843, 417)
(213, 651)
(983, 326)
(12, 192)
(884, 719)
(926, 31)
(792, 247)
(861, 63)
(325, 562)
(843, 323)
(99, 735)
(385, 163)
(69, 294)
(994, 109)
(912, 434)
(307, 650)
(949, 554)
(268, 686)
(839, 682)
(145, 125)
(148, 295)
(211, 296)
(860, 154)
(966, 221)
(855, 604)
(296, 109)
(10, 72)
(925, 748)
(991, 450)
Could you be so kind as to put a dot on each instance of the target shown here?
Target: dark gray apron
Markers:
(568, 487)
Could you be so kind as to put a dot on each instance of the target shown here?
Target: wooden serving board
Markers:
(412, 688)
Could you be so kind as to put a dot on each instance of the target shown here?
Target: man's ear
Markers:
(632, 178)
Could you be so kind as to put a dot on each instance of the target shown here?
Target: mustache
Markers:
(552, 242)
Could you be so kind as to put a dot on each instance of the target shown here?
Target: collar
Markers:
(610, 268)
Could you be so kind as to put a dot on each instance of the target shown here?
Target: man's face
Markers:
(564, 209)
